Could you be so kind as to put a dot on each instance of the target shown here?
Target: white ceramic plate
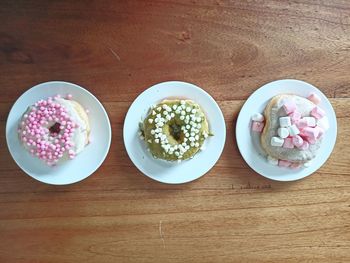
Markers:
(85, 162)
(167, 172)
(249, 144)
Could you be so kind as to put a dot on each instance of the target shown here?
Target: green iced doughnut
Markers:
(175, 130)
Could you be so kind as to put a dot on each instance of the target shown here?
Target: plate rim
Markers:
(75, 86)
(240, 116)
(200, 90)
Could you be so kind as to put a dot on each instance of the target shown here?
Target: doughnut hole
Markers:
(55, 129)
(174, 132)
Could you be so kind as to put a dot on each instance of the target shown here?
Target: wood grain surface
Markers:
(117, 49)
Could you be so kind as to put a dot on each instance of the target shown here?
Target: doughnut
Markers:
(293, 129)
(55, 129)
(175, 130)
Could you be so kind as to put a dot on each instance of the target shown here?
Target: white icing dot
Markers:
(187, 134)
(196, 144)
(150, 141)
(153, 132)
(172, 115)
(182, 102)
(159, 109)
(188, 127)
(182, 117)
(150, 120)
(174, 106)
(192, 144)
(188, 109)
(183, 113)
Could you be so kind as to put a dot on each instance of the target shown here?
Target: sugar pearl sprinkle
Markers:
(192, 118)
(47, 131)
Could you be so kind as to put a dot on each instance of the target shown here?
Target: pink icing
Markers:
(47, 130)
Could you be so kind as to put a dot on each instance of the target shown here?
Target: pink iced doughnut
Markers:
(46, 130)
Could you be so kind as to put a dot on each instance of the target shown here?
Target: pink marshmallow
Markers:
(310, 133)
(284, 163)
(257, 126)
(295, 116)
(314, 98)
(288, 143)
(318, 113)
(320, 132)
(297, 141)
(295, 165)
(289, 106)
(305, 146)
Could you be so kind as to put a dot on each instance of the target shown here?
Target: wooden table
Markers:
(117, 49)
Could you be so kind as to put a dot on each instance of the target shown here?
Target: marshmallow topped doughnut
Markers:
(175, 130)
(55, 129)
(293, 130)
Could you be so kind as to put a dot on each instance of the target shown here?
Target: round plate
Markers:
(168, 172)
(249, 145)
(85, 162)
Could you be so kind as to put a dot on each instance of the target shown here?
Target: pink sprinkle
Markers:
(289, 106)
(257, 126)
(314, 98)
(87, 111)
(288, 143)
(297, 141)
(318, 113)
(284, 163)
(69, 96)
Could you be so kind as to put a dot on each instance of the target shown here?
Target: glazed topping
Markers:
(185, 135)
(46, 130)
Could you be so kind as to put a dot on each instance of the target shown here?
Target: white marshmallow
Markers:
(283, 132)
(323, 123)
(258, 117)
(276, 141)
(311, 121)
(272, 160)
(285, 122)
(293, 130)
